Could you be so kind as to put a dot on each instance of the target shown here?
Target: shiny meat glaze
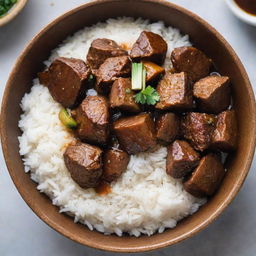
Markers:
(84, 163)
(100, 50)
(115, 162)
(93, 119)
(122, 96)
(224, 136)
(66, 80)
(192, 61)
(175, 92)
(181, 159)
(136, 134)
(212, 94)
(110, 70)
(197, 128)
(167, 127)
(149, 47)
(206, 178)
(153, 71)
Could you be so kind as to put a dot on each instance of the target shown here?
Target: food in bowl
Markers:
(5, 6)
(125, 128)
(248, 5)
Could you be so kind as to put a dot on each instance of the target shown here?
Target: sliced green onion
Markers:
(138, 76)
(128, 90)
(67, 119)
(135, 83)
(91, 77)
(144, 74)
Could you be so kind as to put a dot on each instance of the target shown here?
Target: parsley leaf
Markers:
(147, 96)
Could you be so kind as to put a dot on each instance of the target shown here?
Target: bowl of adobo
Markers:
(128, 127)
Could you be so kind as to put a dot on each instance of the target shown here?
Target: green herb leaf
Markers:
(90, 78)
(140, 98)
(210, 121)
(147, 96)
(128, 90)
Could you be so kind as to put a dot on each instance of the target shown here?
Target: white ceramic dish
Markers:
(240, 13)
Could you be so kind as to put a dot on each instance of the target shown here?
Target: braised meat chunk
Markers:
(175, 92)
(115, 162)
(224, 136)
(136, 134)
(192, 61)
(93, 120)
(110, 70)
(197, 128)
(150, 47)
(100, 50)
(84, 162)
(167, 127)
(121, 89)
(181, 159)
(66, 80)
(153, 71)
(122, 96)
(206, 178)
(212, 93)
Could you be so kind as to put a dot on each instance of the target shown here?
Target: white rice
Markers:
(145, 199)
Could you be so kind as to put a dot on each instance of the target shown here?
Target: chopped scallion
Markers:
(138, 76)
(67, 119)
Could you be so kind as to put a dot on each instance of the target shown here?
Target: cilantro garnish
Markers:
(147, 96)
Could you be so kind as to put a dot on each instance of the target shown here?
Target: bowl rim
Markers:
(143, 248)
(13, 12)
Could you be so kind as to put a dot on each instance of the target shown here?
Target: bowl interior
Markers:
(204, 37)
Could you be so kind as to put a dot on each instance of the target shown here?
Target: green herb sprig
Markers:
(147, 96)
(91, 78)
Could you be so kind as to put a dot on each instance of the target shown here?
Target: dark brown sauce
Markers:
(247, 5)
(103, 188)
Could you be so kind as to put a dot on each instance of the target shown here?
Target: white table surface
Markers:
(23, 233)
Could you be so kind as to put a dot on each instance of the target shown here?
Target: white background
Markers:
(22, 233)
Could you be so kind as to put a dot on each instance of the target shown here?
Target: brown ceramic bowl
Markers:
(204, 37)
